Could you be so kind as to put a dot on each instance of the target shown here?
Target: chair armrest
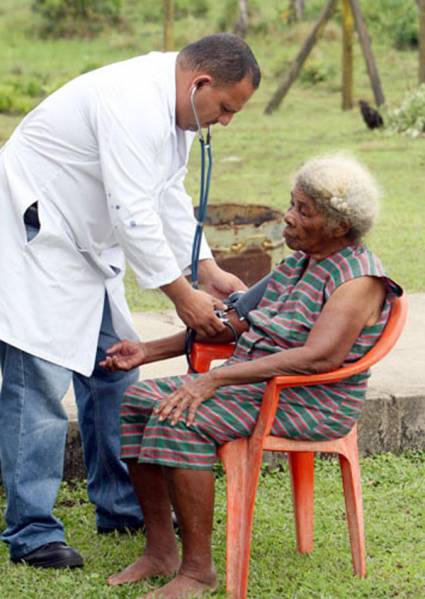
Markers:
(204, 353)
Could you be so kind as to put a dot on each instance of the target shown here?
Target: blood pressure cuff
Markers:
(245, 301)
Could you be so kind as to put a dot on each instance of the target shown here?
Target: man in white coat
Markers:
(93, 177)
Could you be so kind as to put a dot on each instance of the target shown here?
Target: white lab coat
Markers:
(105, 161)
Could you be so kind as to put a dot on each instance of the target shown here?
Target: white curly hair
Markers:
(343, 188)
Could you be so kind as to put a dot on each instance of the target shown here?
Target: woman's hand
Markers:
(187, 397)
(124, 355)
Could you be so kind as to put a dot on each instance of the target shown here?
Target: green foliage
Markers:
(405, 31)
(316, 71)
(151, 10)
(194, 8)
(20, 93)
(264, 17)
(18, 96)
(90, 66)
(398, 21)
(67, 18)
(409, 117)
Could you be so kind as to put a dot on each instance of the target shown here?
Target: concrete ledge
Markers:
(388, 424)
(392, 424)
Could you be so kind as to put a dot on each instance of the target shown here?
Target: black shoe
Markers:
(52, 555)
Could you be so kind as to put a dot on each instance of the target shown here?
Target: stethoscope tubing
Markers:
(204, 189)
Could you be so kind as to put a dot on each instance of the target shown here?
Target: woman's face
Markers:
(307, 228)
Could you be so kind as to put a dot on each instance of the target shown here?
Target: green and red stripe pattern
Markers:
(291, 305)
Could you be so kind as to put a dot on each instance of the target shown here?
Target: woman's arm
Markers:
(351, 307)
(126, 355)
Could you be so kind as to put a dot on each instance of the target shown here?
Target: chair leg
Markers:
(350, 472)
(242, 481)
(301, 466)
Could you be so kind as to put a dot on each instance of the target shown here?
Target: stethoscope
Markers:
(206, 152)
(204, 188)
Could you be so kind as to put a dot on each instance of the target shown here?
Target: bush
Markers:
(13, 101)
(316, 71)
(152, 10)
(194, 8)
(20, 93)
(409, 118)
(397, 20)
(263, 17)
(67, 18)
(405, 32)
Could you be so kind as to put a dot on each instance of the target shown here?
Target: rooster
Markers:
(371, 117)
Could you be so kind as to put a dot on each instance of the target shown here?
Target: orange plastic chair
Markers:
(242, 461)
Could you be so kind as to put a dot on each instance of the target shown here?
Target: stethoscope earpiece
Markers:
(195, 112)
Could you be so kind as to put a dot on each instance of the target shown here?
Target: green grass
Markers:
(393, 490)
(270, 148)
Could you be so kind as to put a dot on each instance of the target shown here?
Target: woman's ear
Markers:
(342, 228)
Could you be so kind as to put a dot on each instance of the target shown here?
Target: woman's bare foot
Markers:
(183, 587)
(146, 566)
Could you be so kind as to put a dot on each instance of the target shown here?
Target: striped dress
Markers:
(292, 302)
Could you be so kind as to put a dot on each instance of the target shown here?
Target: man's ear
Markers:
(202, 80)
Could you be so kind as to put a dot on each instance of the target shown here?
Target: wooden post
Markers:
(367, 52)
(347, 56)
(168, 25)
(421, 10)
(241, 25)
(301, 57)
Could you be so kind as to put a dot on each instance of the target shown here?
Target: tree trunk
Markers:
(301, 57)
(296, 9)
(241, 25)
(421, 10)
(347, 56)
(367, 53)
(168, 25)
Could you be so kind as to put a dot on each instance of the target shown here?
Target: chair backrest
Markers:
(382, 347)
(385, 343)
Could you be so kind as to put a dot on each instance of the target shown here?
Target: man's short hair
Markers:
(224, 56)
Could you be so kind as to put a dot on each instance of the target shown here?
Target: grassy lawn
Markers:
(393, 490)
(268, 148)
(254, 161)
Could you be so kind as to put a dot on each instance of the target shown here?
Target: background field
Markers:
(256, 155)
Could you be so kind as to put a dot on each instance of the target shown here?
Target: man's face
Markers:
(213, 103)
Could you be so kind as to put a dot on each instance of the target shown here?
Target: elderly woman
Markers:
(324, 306)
